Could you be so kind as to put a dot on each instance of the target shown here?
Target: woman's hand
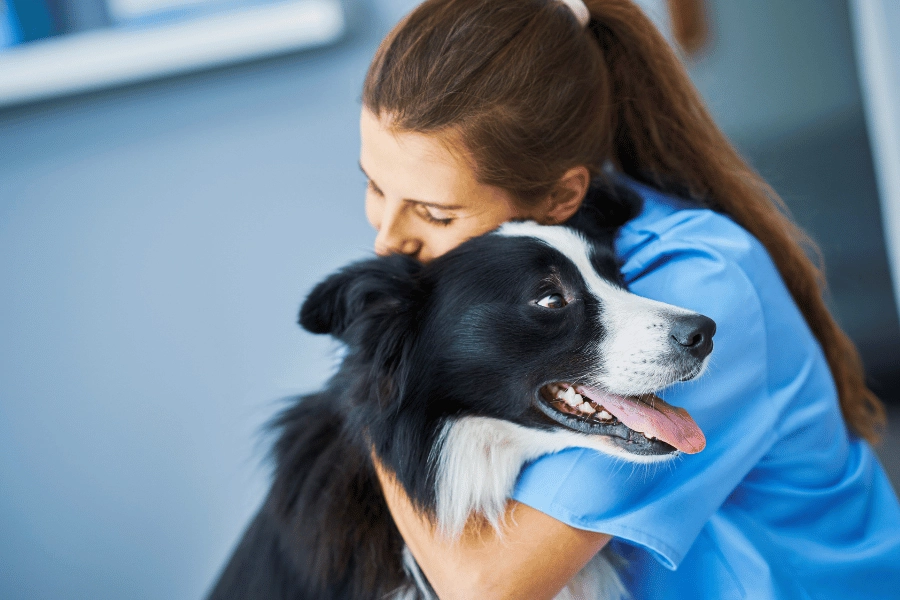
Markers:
(533, 558)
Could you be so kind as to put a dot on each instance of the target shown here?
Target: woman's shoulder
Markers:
(683, 254)
(766, 403)
(668, 225)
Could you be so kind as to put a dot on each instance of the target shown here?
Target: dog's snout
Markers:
(693, 335)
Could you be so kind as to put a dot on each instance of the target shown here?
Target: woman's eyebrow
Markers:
(436, 205)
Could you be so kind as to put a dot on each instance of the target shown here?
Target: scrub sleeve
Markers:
(783, 502)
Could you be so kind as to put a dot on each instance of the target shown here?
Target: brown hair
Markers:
(529, 94)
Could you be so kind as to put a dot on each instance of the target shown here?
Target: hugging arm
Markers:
(535, 557)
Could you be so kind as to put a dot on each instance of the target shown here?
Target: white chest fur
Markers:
(478, 460)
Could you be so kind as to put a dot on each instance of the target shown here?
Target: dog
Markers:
(518, 343)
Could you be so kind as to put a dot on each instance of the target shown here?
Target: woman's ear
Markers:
(566, 197)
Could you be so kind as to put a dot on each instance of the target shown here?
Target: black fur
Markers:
(422, 343)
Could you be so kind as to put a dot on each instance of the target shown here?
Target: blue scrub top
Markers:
(783, 502)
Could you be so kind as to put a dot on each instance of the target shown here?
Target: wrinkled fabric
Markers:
(783, 502)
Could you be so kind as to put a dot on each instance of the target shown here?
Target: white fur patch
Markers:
(478, 461)
(635, 357)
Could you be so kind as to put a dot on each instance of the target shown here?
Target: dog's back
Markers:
(324, 532)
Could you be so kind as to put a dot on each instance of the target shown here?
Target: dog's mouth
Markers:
(639, 425)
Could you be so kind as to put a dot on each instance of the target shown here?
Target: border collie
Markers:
(517, 343)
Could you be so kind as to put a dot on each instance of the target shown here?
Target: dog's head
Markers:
(530, 324)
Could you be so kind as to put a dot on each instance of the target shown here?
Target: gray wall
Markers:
(775, 67)
(878, 56)
(155, 243)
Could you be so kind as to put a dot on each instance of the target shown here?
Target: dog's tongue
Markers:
(662, 421)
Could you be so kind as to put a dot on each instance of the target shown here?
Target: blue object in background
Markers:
(9, 26)
(35, 21)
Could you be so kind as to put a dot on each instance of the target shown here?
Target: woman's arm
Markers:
(535, 557)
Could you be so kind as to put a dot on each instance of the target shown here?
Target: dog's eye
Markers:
(552, 301)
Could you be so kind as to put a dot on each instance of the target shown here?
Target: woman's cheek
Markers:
(444, 240)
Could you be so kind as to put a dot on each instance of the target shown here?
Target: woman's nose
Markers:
(394, 237)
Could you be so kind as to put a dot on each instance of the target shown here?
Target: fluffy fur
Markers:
(443, 380)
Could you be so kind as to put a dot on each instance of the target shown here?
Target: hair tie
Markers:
(580, 9)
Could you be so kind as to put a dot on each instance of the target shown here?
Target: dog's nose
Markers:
(694, 335)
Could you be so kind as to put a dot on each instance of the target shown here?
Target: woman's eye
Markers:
(430, 216)
(438, 221)
(552, 301)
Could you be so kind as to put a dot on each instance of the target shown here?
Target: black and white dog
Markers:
(515, 344)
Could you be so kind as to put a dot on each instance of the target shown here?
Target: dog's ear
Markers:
(373, 289)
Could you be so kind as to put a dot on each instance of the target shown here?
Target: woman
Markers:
(477, 112)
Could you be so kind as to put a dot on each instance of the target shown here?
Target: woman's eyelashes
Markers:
(432, 215)
(374, 188)
(428, 213)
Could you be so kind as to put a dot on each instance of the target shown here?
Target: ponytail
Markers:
(665, 137)
(527, 92)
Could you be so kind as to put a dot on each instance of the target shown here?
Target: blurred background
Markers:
(176, 174)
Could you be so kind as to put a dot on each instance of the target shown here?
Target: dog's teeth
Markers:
(571, 398)
(604, 416)
(585, 408)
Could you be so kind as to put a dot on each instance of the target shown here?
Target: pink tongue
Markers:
(665, 422)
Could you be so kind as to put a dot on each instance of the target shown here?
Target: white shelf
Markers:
(103, 58)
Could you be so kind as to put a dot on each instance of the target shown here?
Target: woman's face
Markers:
(423, 199)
